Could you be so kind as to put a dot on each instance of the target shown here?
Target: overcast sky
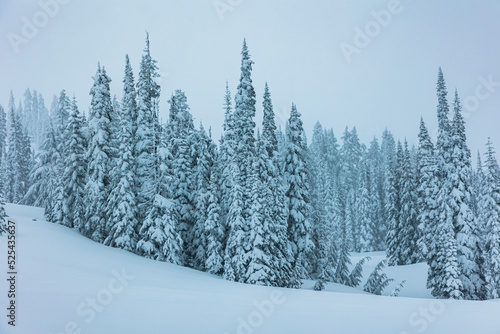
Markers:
(310, 52)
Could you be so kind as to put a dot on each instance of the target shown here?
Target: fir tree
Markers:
(98, 155)
(394, 248)
(409, 233)
(490, 206)
(426, 191)
(206, 155)
(148, 93)
(181, 143)
(214, 230)
(297, 195)
(74, 175)
(378, 280)
(122, 202)
(466, 231)
(160, 239)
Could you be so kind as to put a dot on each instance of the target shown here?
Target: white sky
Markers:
(295, 45)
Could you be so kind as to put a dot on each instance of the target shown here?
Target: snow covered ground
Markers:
(69, 284)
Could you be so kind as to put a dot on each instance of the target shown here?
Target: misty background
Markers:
(297, 48)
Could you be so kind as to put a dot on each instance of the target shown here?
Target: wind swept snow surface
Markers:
(69, 284)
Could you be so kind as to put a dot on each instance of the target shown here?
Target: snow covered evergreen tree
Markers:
(205, 152)
(160, 239)
(98, 156)
(444, 272)
(466, 230)
(214, 230)
(378, 280)
(148, 93)
(244, 125)
(490, 206)
(394, 250)
(427, 192)
(122, 202)
(74, 173)
(43, 175)
(181, 144)
(18, 159)
(409, 233)
(3, 133)
(240, 169)
(297, 195)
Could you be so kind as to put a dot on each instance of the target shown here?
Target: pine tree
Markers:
(18, 159)
(394, 250)
(351, 156)
(205, 155)
(240, 169)
(235, 259)
(98, 156)
(426, 190)
(378, 280)
(297, 195)
(181, 143)
(3, 225)
(444, 273)
(43, 175)
(465, 226)
(148, 93)
(490, 206)
(214, 230)
(262, 264)
(160, 239)
(74, 174)
(244, 125)
(122, 202)
(364, 211)
(409, 234)
(3, 133)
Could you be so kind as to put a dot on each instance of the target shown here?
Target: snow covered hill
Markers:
(69, 284)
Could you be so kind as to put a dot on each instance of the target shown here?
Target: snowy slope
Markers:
(61, 274)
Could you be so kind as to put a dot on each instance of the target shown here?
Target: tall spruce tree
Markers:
(122, 201)
(74, 174)
(181, 144)
(466, 230)
(490, 206)
(427, 191)
(409, 233)
(148, 93)
(444, 272)
(98, 155)
(297, 195)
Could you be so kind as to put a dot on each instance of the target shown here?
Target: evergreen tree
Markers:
(427, 190)
(378, 280)
(297, 195)
(3, 133)
(98, 156)
(122, 202)
(74, 174)
(465, 226)
(244, 125)
(43, 175)
(148, 93)
(394, 248)
(240, 169)
(214, 230)
(160, 239)
(409, 233)
(206, 155)
(444, 273)
(181, 143)
(490, 206)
